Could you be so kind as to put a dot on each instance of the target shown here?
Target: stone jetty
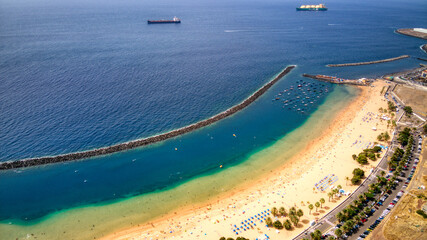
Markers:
(367, 63)
(145, 141)
(336, 80)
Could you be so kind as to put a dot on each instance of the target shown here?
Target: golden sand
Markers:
(291, 185)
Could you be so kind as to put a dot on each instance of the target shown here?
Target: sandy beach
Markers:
(292, 185)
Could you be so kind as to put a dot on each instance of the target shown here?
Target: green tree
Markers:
(357, 218)
(222, 238)
(354, 156)
(367, 210)
(310, 207)
(350, 224)
(300, 213)
(338, 232)
(330, 194)
(322, 201)
(359, 172)
(294, 220)
(356, 203)
(317, 204)
(340, 216)
(362, 159)
(292, 211)
(316, 235)
(269, 222)
(391, 106)
(274, 211)
(425, 129)
(355, 180)
(282, 211)
(287, 224)
(277, 224)
(386, 136)
(408, 110)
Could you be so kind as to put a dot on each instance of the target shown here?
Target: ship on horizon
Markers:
(320, 7)
(174, 20)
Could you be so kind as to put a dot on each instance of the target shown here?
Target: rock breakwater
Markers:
(367, 63)
(145, 141)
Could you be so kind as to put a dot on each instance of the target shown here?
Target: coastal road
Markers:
(325, 224)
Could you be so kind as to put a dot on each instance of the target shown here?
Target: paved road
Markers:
(378, 212)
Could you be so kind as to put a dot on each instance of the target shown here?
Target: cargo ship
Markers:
(320, 7)
(174, 20)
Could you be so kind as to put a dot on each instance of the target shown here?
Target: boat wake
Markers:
(232, 31)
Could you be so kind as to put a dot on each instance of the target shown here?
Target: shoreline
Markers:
(367, 63)
(29, 162)
(291, 171)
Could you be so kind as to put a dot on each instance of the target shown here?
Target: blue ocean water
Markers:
(77, 75)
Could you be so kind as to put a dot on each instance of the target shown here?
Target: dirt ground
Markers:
(417, 99)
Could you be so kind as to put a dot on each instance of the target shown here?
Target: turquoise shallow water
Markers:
(78, 75)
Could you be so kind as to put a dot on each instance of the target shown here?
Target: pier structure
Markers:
(145, 141)
(367, 63)
(336, 80)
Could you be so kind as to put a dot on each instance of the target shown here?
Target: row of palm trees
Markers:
(316, 204)
(333, 192)
(353, 214)
(293, 214)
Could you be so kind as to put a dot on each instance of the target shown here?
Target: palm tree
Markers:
(322, 201)
(294, 220)
(292, 211)
(287, 224)
(356, 203)
(300, 213)
(339, 187)
(269, 222)
(349, 224)
(335, 190)
(316, 235)
(357, 218)
(330, 194)
(361, 198)
(338, 232)
(310, 207)
(317, 204)
(282, 211)
(345, 228)
(382, 173)
(340, 216)
(366, 210)
(274, 211)
(346, 180)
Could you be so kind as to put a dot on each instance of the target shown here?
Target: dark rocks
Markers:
(366, 63)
